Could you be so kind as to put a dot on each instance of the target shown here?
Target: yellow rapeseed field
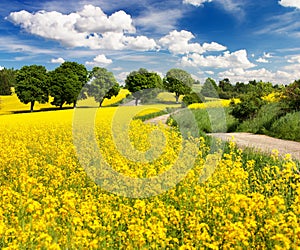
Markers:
(49, 201)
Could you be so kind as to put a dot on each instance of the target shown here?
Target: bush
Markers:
(247, 108)
(287, 127)
(192, 98)
(264, 119)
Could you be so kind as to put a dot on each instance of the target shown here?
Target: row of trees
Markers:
(71, 82)
(66, 84)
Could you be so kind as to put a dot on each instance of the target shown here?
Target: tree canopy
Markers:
(210, 88)
(66, 83)
(32, 85)
(103, 85)
(178, 81)
(7, 80)
(139, 81)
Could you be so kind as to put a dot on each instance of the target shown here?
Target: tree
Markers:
(103, 85)
(7, 81)
(67, 80)
(139, 81)
(178, 81)
(32, 85)
(247, 108)
(192, 97)
(210, 88)
(292, 96)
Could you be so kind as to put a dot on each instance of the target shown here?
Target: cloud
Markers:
(237, 59)
(232, 6)
(89, 27)
(213, 46)
(290, 3)
(100, 60)
(1, 67)
(294, 59)
(161, 21)
(93, 20)
(196, 2)
(285, 76)
(264, 58)
(283, 24)
(57, 60)
(177, 42)
(121, 77)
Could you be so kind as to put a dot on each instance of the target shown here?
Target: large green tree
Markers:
(137, 82)
(7, 81)
(178, 81)
(67, 80)
(210, 88)
(32, 85)
(102, 85)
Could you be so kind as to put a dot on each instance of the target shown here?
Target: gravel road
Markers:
(262, 143)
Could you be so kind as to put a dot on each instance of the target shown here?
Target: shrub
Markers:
(192, 98)
(287, 127)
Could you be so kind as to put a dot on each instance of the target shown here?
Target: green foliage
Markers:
(7, 80)
(207, 120)
(32, 85)
(138, 82)
(192, 98)
(66, 83)
(264, 119)
(178, 81)
(292, 96)
(247, 108)
(210, 88)
(103, 85)
(287, 127)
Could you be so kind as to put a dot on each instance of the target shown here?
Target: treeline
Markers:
(66, 84)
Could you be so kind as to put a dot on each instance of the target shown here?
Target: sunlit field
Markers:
(49, 202)
(11, 104)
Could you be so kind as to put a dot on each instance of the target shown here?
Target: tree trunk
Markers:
(60, 106)
(31, 106)
(74, 104)
(177, 98)
(100, 104)
(136, 101)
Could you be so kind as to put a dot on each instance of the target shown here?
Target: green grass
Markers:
(150, 116)
(205, 120)
(287, 127)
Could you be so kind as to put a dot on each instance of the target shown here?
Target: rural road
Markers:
(261, 143)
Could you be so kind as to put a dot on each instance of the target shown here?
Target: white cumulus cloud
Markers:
(100, 60)
(196, 2)
(290, 3)
(213, 46)
(177, 42)
(237, 59)
(90, 27)
(93, 19)
(57, 60)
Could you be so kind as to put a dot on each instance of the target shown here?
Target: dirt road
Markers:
(262, 143)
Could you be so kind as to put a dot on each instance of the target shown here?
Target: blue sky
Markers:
(237, 39)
